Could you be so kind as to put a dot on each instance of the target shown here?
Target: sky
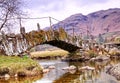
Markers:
(61, 9)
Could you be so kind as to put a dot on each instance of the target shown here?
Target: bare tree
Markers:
(9, 9)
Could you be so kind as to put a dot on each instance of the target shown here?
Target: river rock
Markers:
(87, 68)
(7, 76)
(72, 67)
(46, 70)
(114, 71)
(16, 75)
(65, 68)
(100, 58)
(51, 67)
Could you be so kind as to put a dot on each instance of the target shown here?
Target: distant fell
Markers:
(100, 22)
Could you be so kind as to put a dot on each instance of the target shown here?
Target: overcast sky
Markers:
(61, 9)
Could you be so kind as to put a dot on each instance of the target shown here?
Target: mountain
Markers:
(96, 23)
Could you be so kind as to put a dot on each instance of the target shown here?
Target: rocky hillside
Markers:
(96, 23)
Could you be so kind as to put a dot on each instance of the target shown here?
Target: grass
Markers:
(16, 65)
(51, 53)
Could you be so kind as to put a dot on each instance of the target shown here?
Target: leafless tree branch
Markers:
(9, 9)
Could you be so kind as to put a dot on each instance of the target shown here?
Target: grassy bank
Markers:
(52, 53)
(16, 66)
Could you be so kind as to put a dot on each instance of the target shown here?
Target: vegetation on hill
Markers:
(103, 21)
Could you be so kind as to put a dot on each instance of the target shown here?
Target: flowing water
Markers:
(58, 75)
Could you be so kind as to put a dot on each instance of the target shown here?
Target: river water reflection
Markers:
(58, 75)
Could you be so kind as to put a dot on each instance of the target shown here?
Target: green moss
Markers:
(12, 65)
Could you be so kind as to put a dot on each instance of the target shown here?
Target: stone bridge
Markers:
(15, 44)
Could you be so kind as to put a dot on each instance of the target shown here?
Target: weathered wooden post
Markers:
(73, 36)
(22, 30)
(51, 29)
(38, 26)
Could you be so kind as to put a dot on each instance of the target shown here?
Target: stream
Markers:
(58, 75)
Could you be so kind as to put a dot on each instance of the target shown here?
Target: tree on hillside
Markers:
(9, 9)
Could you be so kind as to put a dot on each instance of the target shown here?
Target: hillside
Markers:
(96, 23)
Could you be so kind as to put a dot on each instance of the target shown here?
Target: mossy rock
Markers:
(4, 71)
(21, 74)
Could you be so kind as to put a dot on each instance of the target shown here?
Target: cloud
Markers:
(90, 2)
(100, 6)
(45, 5)
(48, 6)
(61, 9)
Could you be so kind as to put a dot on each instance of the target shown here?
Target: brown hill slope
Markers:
(96, 23)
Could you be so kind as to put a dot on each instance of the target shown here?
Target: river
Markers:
(58, 75)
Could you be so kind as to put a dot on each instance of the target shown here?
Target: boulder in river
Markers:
(51, 67)
(72, 67)
(7, 76)
(87, 68)
(100, 58)
(46, 70)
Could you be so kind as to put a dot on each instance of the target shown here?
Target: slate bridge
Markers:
(15, 44)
